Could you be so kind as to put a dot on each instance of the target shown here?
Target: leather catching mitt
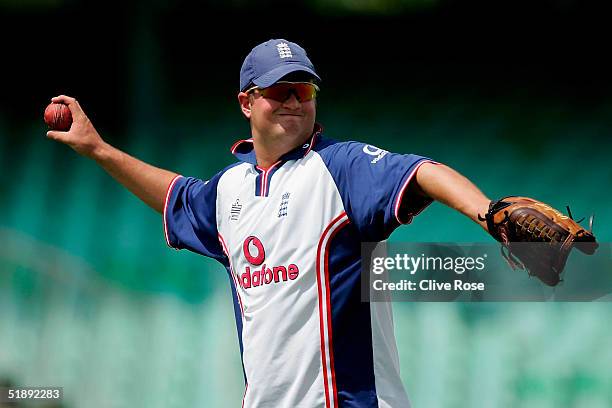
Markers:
(517, 221)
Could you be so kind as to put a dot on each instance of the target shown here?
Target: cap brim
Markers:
(271, 77)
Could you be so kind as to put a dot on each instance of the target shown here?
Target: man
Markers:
(287, 221)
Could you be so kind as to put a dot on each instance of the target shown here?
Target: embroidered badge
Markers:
(282, 211)
(283, 50)
(235, 211)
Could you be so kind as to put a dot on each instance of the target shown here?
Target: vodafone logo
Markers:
(374, 151)
(261, 253)
(255, 254)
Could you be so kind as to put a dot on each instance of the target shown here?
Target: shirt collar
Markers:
(245, 151)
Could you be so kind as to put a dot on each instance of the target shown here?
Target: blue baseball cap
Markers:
(270, 61)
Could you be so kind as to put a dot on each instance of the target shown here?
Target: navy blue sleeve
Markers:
(373, 184)
(190, 220)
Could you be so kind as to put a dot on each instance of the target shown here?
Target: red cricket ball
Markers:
(58, 117)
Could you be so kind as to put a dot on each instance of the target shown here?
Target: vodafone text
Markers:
(265, 276)
(255, 254)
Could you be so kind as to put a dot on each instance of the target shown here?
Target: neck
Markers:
(269, 150)
(265, 158)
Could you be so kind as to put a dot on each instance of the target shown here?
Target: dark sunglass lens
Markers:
(278, 92)
(281, 92)
(305, 92)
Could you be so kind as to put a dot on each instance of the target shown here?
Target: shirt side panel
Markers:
(372, 182)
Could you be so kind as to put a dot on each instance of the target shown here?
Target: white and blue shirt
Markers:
(290, 238)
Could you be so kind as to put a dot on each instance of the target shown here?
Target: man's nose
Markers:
(292, 101)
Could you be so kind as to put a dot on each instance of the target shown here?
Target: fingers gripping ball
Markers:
(515, 221)
(58, 117)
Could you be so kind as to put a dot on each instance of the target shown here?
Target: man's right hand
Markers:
(147, 182)
(82, 136)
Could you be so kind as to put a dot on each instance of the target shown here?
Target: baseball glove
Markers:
(516, 221)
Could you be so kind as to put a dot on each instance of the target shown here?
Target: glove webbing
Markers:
(531, 226)
(528, 226)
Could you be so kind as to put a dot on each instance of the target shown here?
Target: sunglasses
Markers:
(281, 91)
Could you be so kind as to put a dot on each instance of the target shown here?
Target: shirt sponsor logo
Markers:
(255, 254)
(374, 151)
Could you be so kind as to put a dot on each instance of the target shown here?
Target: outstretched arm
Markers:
(444, 184)
(147, 182)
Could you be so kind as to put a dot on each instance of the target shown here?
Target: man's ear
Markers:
(245, 104)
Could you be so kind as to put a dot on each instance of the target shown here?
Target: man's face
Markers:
(290, 121)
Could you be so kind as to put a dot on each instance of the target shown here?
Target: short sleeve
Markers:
(190, 220)
(373, 184)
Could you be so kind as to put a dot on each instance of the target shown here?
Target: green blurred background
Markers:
(515, 95)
